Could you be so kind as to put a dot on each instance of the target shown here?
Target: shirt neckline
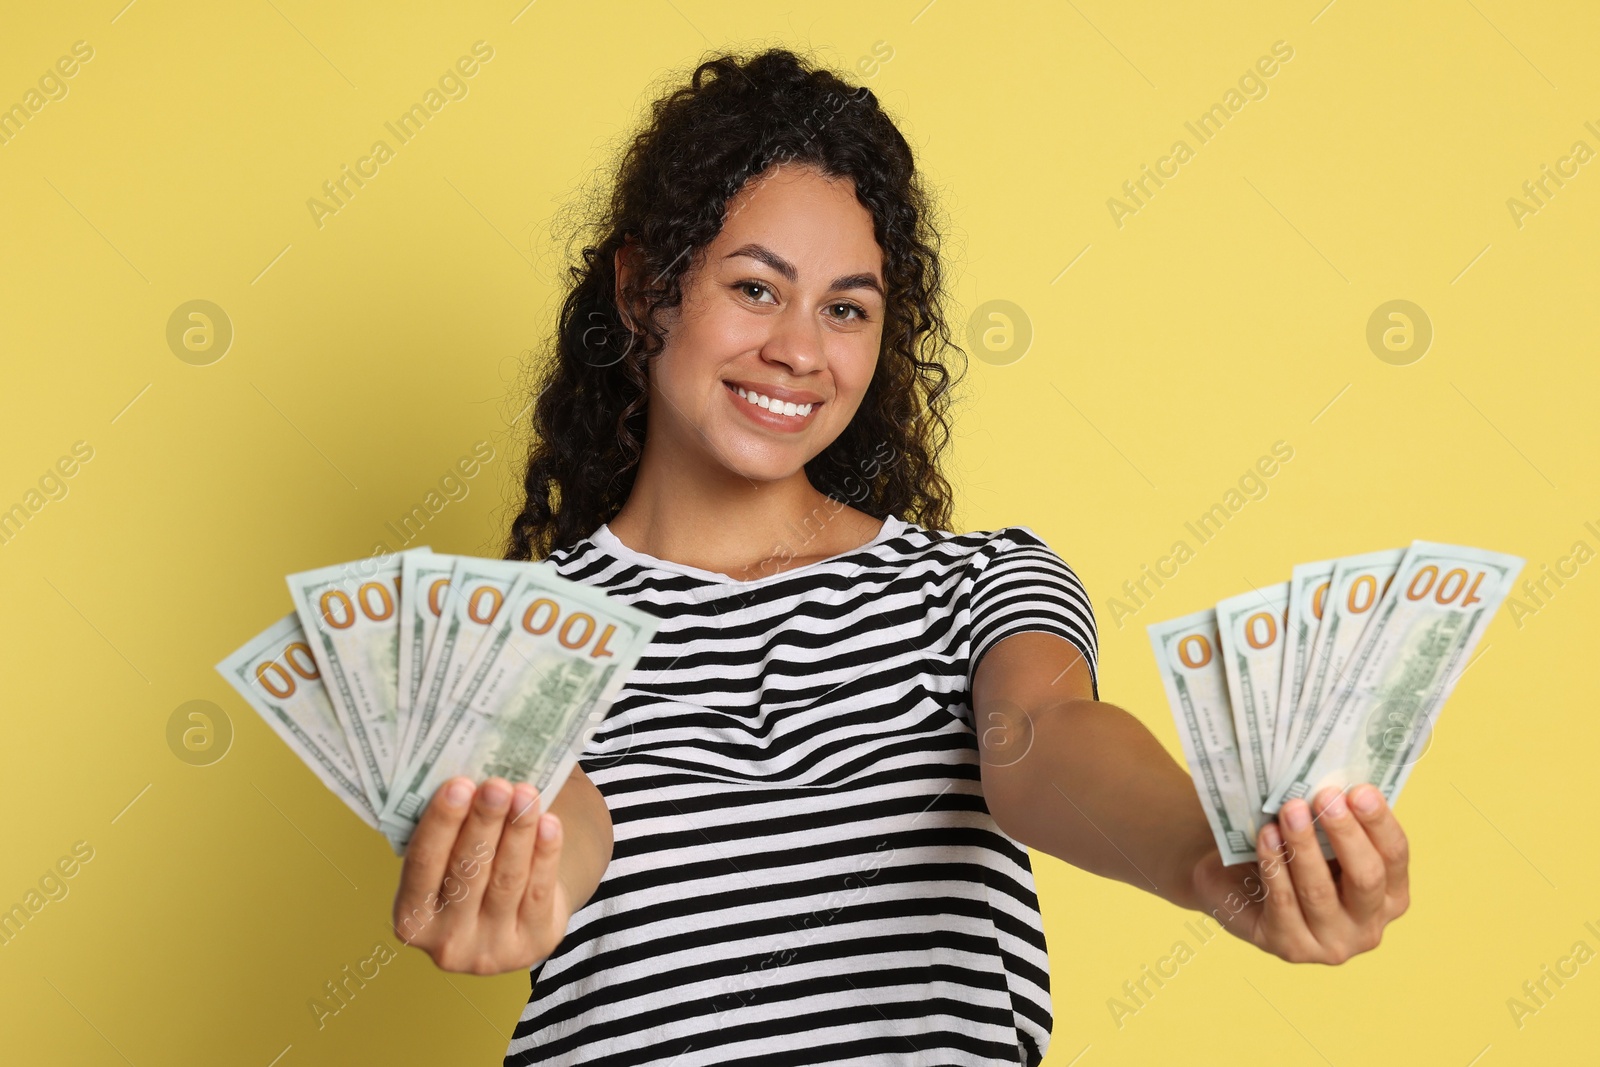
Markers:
(608, 542)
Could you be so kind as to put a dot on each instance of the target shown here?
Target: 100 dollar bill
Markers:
(424, 584)
(1308, 595)
(1197, 690)
(475, 592)
(531, 696)
(1250, 629)
(277, 675)
(1378, 720)
(349, 615)
(1355, 588)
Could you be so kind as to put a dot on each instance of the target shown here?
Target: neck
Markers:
(699, 513)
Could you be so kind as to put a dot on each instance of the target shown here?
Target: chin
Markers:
(759, 461)
(773, 469)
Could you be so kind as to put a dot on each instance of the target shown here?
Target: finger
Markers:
(475, 846)
(1313, 883)
(1280, 905)
(1387, 837)
(508, 878)
(1362, 882)
(427, 855)
(543, 875)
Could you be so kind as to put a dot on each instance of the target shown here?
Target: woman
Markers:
(798, 836)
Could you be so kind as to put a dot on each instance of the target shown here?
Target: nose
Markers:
(795, 341)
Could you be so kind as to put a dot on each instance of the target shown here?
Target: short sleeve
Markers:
(1024, 587)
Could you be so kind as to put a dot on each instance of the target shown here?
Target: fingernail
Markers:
(496, 795)
(522, 796)
(458, 793)
(1333, 807)
(1296, 815)
(1366, 799)
(1270, 837)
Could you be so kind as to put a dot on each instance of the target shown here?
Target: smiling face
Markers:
(774, 345)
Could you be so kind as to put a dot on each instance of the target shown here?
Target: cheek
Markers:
(698, 347)
(681, 377)
(728, 333)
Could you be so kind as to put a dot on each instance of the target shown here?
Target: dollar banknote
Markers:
(1355, 587)
(521, 663)
(424, 595)
(1308, 590)
(1186, 651)
(277, 675)
(1368, 649)
(473, 597)
(1250, 631)
(530, 696)
(1378, 720)
(350, 613)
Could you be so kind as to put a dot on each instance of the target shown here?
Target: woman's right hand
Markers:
(480, 890)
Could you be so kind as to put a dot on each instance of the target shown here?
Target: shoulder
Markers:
(976, 549)
(591, 562)
(1013, 541)
(573, 554)
(1020, 549)
(1022, 585)
(1015, 559)
(987, 567)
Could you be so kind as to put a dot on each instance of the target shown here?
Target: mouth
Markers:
(771, 411)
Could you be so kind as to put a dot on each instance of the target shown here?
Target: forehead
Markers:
(802, 214)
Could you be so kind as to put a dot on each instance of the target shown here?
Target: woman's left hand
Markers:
(1291, 903)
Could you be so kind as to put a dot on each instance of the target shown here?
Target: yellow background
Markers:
(1228, 313)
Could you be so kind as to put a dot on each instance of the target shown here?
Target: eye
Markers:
(751, 283)
(861, 312)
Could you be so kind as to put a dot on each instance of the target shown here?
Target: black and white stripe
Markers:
(805, 871)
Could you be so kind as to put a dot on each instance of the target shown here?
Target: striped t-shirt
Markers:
(804, 869)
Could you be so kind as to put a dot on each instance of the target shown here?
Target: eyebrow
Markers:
(787, 269)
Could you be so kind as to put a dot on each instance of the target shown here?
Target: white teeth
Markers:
(780, 407)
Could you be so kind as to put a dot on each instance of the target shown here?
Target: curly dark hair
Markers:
(736, 118)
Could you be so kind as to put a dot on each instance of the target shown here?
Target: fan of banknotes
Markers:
(1335, 677)
(396, 673)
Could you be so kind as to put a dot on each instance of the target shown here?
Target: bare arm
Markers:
(1082, 779)
(489, 882)
(586, 827)
(1085, 781)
